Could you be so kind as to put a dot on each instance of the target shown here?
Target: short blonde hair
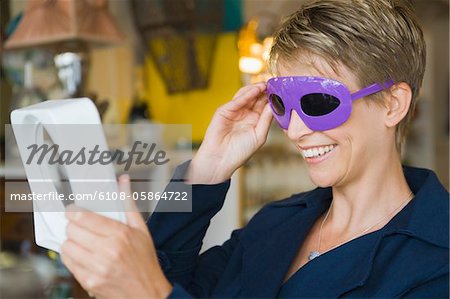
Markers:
(375, 39)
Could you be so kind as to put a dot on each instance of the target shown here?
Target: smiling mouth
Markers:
(316, 152)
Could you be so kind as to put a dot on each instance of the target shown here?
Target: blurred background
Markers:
(173, 62)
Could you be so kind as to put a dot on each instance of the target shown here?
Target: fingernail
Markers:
(73, 212)
(124, 178)
(71, 208)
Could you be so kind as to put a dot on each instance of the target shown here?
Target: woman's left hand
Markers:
(111, 259)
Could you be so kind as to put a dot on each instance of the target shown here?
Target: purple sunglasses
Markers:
(321, 103)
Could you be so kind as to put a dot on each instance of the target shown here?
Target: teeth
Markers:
(317, 151)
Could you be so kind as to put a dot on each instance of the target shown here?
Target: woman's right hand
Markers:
(237, 129)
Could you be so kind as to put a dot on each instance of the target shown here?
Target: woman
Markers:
(347, 76)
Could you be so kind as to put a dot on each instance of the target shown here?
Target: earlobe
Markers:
(398, 103)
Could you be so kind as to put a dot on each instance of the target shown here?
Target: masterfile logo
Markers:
(146, 156)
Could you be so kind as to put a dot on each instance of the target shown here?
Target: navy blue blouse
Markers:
(408, 257)
(311, 280)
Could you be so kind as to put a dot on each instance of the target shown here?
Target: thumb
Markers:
(262, 127)
(132, 213)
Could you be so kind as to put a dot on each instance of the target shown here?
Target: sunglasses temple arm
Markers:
(371, 89)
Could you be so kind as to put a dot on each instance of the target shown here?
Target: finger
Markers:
(81, 275)
(247, 99)
(134, 217)
(245, 89)
(135, 220)
(261, 85)
(78, 256)
(260, 104)
(85, 238)
(254, 88)
(73, 267)
(125, 188)
(96, 223)
(262, 127)
(242, 91)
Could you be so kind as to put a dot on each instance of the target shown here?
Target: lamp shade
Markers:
(54, 21)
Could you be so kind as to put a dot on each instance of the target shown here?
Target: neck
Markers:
(368, 198)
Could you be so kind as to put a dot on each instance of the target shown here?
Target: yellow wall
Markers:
(196, 107)
(112, 77)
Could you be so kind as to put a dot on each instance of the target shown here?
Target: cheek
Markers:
(364, 132)
(357, 135)
(365, 119)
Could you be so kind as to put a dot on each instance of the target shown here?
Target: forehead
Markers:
(317, 66)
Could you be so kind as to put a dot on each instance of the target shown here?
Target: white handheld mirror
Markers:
(74, 126)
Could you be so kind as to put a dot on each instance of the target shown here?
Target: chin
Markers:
(322, 179)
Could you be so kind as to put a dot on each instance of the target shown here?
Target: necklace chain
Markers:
(316, 253)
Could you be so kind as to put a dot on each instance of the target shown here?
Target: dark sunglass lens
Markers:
(277, 104)
(318, 104)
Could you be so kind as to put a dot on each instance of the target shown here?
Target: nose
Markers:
(297, 128)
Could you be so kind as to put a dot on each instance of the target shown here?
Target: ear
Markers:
(397, 103)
